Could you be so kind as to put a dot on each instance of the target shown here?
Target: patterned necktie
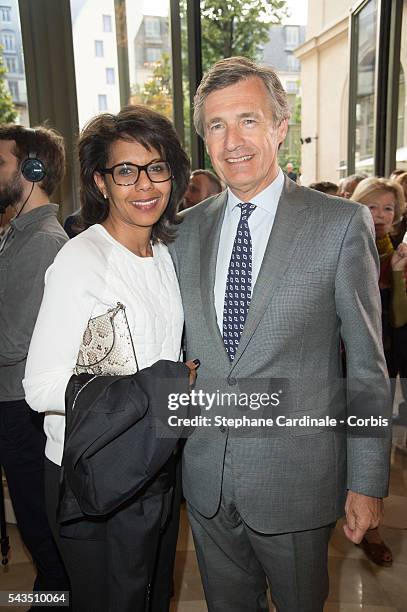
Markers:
(239, 283)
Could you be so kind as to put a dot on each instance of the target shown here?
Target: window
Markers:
(11, 64)
(110, 80)
(291, 36)
(5, 13)
(13, 87)
(293, 64)
(99, 51)
(7, 40)
(152, 27)
(102, 102)
(153, 54)
(107, 23)
(401, 152)
(292, 87)
(362, 101)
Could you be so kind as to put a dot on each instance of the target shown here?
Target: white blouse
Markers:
(90, 274)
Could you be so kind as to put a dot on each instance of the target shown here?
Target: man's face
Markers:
(11, 184)
(241, 137)
(199, 188)
(290, 168)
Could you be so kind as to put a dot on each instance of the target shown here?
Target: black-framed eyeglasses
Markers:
(126, 174)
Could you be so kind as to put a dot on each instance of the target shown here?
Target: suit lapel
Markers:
(209, 233)
(282, 241)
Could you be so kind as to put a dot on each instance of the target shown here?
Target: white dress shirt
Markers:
(260, 223)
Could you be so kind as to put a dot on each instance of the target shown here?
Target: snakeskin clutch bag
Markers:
(107, 346)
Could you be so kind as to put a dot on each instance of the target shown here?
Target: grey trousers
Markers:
(236, 562)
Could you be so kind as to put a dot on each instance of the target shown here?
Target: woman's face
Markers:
(382, 206)
(143, 203)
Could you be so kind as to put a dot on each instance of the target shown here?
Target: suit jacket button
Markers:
(222, 429)
(232, 381)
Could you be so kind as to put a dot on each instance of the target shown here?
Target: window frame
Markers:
(5, 9)
(102, 107)
(388, 41)
(107, 19)
(110, 75)
(152, 33)
(99, 44)
(292, 28)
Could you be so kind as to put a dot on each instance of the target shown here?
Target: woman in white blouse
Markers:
(133, 176)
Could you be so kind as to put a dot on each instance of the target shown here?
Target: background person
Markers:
(73, 224)
(32, 164)
(385, 200)
(289, 170)
(130, 196)
(202, 184)
(396, 173)
(348, 185)
(271, 275)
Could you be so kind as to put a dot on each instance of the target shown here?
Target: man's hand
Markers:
(192, 365)
(362, 513)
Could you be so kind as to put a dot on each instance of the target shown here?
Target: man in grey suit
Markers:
(272, 276)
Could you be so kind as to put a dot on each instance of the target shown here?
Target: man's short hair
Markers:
(230, 71)
(350, 181)
(325, 187)
(214, 180)
(46, 143)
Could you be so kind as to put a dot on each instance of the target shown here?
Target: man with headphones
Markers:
(32, 164)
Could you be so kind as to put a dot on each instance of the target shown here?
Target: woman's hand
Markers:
(193, 366)
(399, 259)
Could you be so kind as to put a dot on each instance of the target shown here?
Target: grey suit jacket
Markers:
(318, 283)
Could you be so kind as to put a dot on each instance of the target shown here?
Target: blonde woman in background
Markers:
(386, 202)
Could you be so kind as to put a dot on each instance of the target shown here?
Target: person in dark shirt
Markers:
(289, 170)
(32, 164)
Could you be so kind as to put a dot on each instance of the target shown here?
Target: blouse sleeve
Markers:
(399, 299)
(71, 285)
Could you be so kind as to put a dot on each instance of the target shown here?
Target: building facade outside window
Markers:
(13, 58)
(149, 55)
(96, 58)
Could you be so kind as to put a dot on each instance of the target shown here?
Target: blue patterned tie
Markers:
(239, 283)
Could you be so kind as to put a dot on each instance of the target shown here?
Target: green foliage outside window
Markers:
(8, 113)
